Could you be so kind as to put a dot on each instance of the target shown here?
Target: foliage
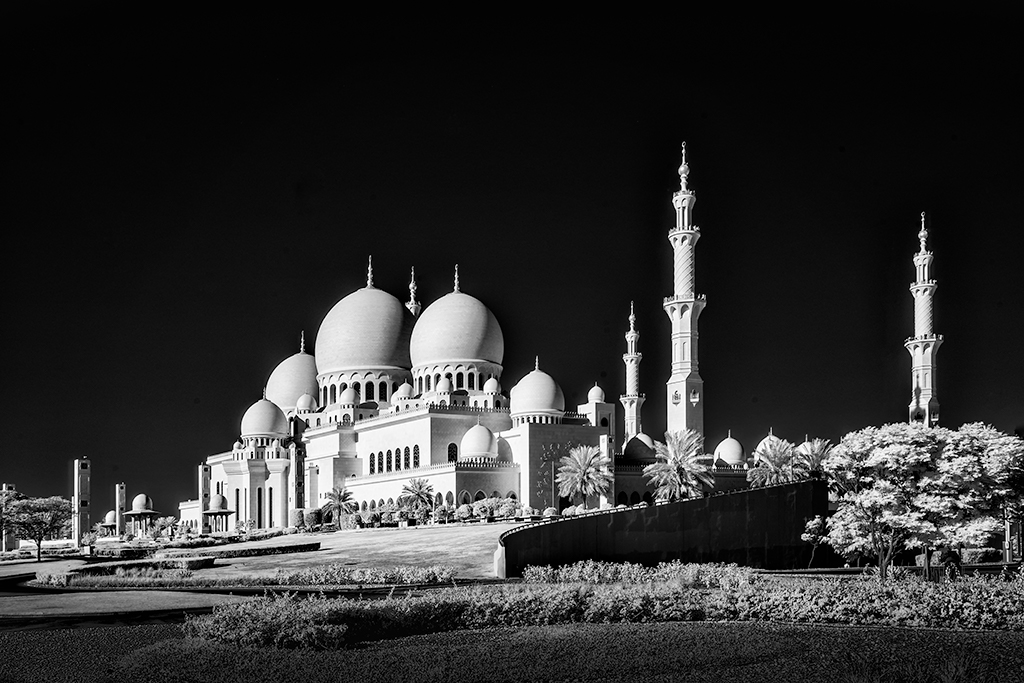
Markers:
(339, 502)
(809, 456)
(775, 463)
(89, 538)
(550, 512)
(296, 518)
(972, 603)
(583, 473)
(814, 533)
(370, 518)
(463, 512)
(444, 513)
(694, 575)
(678, 472)
(339, 575)
(162, 524)
(312, 517)
(37, 518)
(908, 486)
(417, 493)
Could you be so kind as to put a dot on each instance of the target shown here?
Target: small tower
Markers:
(413, 305)
(685, 386)
(80, 499)
(120, 504)
(632, 401)
(924, 345)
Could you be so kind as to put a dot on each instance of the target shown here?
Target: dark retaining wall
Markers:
(754, 527)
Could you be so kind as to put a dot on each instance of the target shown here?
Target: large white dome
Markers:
(264, 418)
(293, 377)
(368, 329)
(538, 392)
(456, 327)
(730, 451)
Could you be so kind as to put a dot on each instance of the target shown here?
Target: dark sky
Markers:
(183, 195)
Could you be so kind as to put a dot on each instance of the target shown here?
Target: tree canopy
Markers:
(678, 471)
(585, 471)
(339, 502)
(36, 518)
(911, 486)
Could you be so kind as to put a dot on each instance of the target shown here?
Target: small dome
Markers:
(142, 503)
(730, 451)
(456, 327)
(595, 395)
(110, 517)
(538, 392)
(479, 442)
(445, 385)
(368, 329)
(766, 443)
(491, 386)
(640, 447)
(293, 377)
(218, 503)
(349, 397)
(264, 418)
(306, 403)
(404, 391)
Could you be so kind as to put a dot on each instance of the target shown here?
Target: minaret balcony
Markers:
(680, 229)
(923, 338)
(683, 298)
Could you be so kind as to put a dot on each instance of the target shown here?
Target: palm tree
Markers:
(775, 463)
(679, 472)
(418, 492)
(584, 472)
(339, 502)
(810, 455)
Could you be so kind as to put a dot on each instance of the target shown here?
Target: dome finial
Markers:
(302, 341)
(264, 393)
(412, 286)
(632, 318)
(536, 362)
(684, 171)
(730, 434)
(923, 234)
(456, 277)
(369, 271)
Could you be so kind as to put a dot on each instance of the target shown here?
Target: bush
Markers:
(283, 622)
(689, 575)
(551, 512)
(311, 518)
(463, 512)
(337, 574)
(297, 518)
(370, 518)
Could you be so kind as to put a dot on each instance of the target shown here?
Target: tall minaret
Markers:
(685, 387)
(632, 400)
(413, 305)
(924, 405)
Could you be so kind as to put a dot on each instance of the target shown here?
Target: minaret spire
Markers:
(369, 272)
(456, 277)
(924, 345)
(413, 305)
(632, 401)
(685, 386)
(302, 341)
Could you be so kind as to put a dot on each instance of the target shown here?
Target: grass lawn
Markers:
(734, 652)
(469, 548)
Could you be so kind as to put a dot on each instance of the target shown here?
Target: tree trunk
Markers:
(814, 549)
(39, 549)
(927, 563)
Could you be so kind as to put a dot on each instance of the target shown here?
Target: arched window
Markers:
(383, 393)
(458, 381)
(405, 456)
(391, 501)
(355, 387)
(394, 387)
(388, 460)
(604, 421)
(449, 498)
(380, 462)
(511, 495)
(453, 452)
(398, 459)
(419, 384)
(622, 498)
(415, 456)
(428, 382)
(334, 394)
(437, 378)
(369, 391)
(497, 404)
(373, 505)
(270, 508)
(259, 507)
(648, 498)
(342, 387)
(634, 498)
(323, 401)
(464, 498)
(438, 500)
(373, 464)
(480, 495)
(346, 419)
(471, 379)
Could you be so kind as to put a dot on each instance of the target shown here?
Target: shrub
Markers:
(296, 518)
(337, 574)
(272, 621)
(463, 512)
(311, 518)
(370, 518)
(551, 512)
(444, 513)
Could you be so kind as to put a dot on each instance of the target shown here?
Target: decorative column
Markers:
(632, 400)
(924, 345)
(685, 386)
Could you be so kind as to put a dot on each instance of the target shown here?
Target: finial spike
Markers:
(302, 341)
(264, 393)
(730, 434)
(632, 318)
(684, 171)
(456, 277)
(369, 271)
(412, 286)
(536, 362)
(923, 234)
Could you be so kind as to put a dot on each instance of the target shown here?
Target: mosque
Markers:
(395, 391)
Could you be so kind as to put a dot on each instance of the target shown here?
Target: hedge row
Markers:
(285, 621)
(245, 552)
(340, 575)
(706, 575)
(95, 574)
